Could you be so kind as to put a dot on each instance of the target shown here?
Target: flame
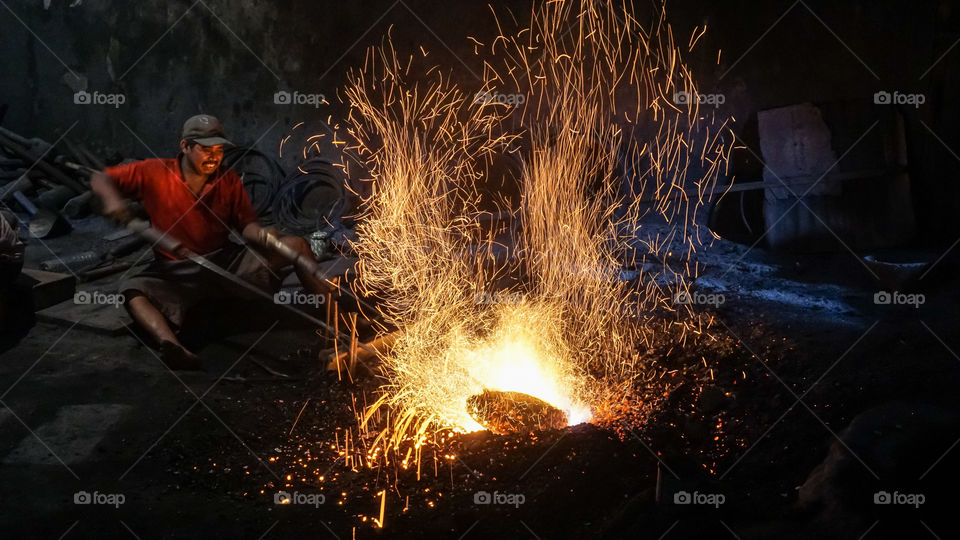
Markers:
(517, 359)
(576, 338)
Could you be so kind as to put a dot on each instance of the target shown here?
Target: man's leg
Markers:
(150, 319)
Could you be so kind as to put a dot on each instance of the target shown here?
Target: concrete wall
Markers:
(171, 59)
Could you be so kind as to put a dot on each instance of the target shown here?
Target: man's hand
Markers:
(260, 235)
(115, 206)
(118, 210)
(267, 236)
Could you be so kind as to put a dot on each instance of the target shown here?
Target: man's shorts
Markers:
(176, 286)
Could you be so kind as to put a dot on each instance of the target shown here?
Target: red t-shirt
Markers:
(202, 224)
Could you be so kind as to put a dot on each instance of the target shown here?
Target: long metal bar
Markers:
(172, 245)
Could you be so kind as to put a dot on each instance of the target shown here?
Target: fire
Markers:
(519, 358)
(575, 335)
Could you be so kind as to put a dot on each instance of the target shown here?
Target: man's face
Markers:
(203, 159)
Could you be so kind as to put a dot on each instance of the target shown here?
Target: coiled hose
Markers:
(261, 175)
(311, 197)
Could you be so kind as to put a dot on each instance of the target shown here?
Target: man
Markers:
(192, 199)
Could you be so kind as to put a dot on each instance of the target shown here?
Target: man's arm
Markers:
(114, 204)
(256, 234)
(244, 217)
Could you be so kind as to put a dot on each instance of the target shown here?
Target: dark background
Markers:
(882, 378)
(228, 58)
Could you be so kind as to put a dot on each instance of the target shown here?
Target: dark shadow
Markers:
(16, 310)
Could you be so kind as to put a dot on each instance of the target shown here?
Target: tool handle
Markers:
(292, 255)
(72, 263)
(156, 238)
(310, 266)
(125, 248)
(97, 273)
(25, 203)
(53, 172)
(73, 166)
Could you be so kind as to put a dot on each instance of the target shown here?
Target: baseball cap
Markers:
(205, 130)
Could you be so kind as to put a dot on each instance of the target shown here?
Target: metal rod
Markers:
(172, 245)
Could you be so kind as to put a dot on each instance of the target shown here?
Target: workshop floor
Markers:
(201, 455)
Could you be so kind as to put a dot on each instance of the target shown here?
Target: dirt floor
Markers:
(821, 404)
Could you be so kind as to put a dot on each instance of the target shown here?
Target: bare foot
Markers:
(178, 358)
